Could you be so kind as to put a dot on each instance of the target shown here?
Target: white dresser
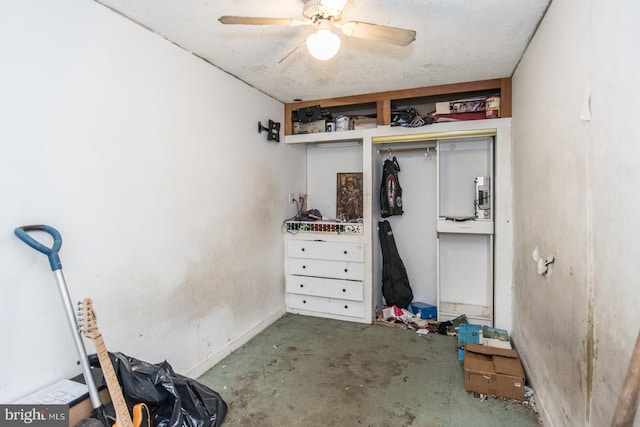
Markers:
(325, 275)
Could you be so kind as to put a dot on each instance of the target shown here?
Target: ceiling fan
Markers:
(325, 15)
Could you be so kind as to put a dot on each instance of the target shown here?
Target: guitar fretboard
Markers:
(123, 419)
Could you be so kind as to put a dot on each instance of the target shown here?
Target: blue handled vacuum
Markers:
(56, 267)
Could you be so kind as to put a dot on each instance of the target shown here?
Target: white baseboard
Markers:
(211, 359)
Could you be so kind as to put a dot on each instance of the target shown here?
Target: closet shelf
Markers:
(381, 104)
(476, 226)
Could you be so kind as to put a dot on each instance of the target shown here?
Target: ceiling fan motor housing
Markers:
(321, 9)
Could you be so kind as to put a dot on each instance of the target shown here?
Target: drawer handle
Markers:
(304, 301)
(345, 252)
(302, 249)
(301, 285)
(346, 307)
(304, 266)
(344, 290)
(346, 270)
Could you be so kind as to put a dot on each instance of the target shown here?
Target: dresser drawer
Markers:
(317, 286)
(347, 290)
(321, 268)
(346, 308)
(345, 251)
(308, 285)
(308, 302)
(326, 305)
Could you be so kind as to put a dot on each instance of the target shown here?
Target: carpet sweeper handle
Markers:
(56, 267)
(52, 252)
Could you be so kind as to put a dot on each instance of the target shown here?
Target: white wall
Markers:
(322, 166)
(574, 197)
(148, 162)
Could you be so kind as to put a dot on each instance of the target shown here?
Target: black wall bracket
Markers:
(273, 130)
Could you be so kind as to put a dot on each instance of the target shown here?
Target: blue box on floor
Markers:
(468, 334)
(425, 311)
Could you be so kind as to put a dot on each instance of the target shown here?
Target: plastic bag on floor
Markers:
(173, 399)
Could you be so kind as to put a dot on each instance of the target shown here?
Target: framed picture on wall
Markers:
(349, 196)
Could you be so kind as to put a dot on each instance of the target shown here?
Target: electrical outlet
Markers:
(292, 198)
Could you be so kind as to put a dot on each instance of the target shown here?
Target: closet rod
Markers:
(407, 150)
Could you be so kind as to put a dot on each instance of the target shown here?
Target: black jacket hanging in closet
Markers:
(390, 190)
(395, 282)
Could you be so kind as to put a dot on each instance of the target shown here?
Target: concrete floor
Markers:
(309, 371)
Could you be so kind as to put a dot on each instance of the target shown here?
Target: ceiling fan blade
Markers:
(244, 20)
(391, 35)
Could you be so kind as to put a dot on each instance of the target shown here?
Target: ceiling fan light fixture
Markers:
(323, 44)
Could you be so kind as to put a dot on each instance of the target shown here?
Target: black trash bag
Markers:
(173, 399)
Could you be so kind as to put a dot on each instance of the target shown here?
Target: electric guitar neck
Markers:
(89, 327)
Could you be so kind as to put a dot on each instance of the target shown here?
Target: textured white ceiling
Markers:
(456, 41)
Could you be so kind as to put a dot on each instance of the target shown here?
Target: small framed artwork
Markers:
(349, 196)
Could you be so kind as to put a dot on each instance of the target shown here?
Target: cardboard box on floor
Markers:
(494, 371)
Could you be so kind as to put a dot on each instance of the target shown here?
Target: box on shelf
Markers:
(469, 105)
(307, 114)
(309, 127)
(443, 107)
(425, 311)
(342, 123)
(468, 333)
(492, 106)
(439, 118)
(363, 123)
(494, 371)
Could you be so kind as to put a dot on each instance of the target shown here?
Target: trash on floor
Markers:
(468, 333)
(390, 313)
(530, 398)
(495, 337)
(450, 327)
(394, 316)
(424, 310)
